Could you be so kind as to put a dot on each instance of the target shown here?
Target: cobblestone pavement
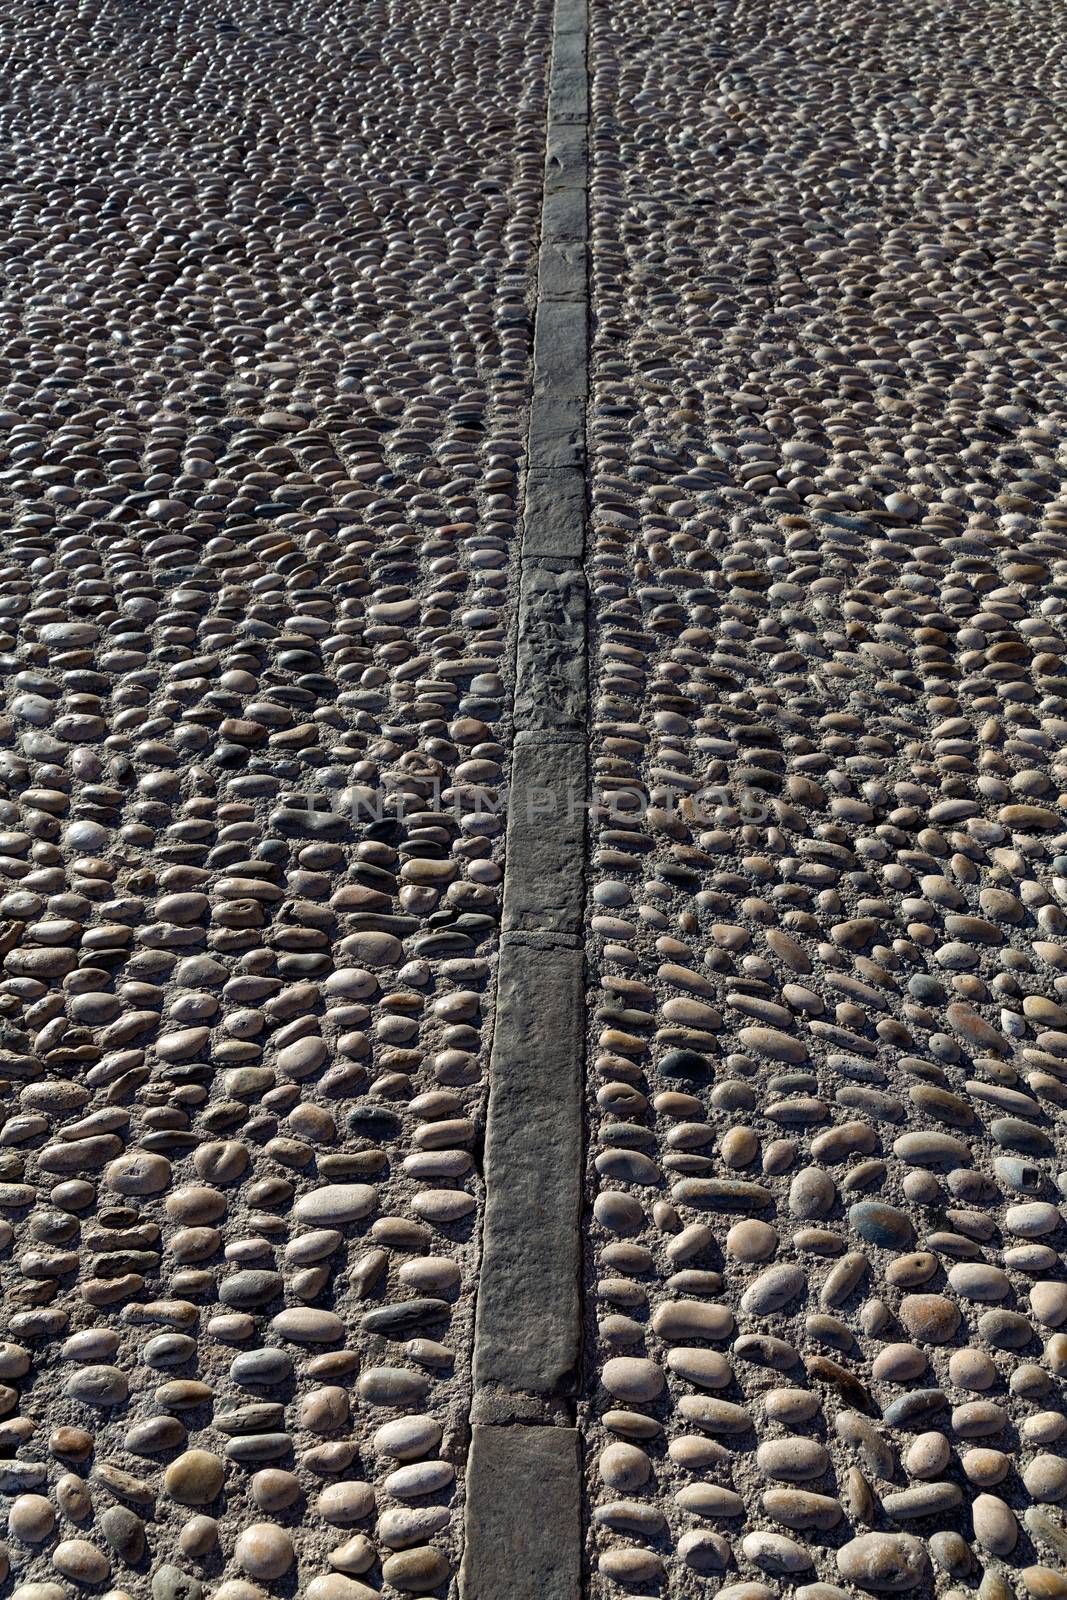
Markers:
(301, 456)
(266, 329)
(829, 1039)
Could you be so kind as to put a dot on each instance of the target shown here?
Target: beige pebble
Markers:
(81, 1560)
(927, 1455)
(194, 1478)
(264, 1550)
(31, 1518)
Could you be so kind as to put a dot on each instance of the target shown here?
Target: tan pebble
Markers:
(930, 1317)
(979, 1281)
(308, 1325)
(199, 1536)
(336, 1586)
(1045, 1478)
(80, 1560)
(710, 1500)
(264, 1550)
(415, 1571)
(898, 1363)
(692, 1319)
(694, 1452)
(801, 1509)
(138, 1173)
(790, 1406)
(39, 1590)
(779, 1156)
(858, 1497)
(812, 1194)
(1056, 1355)
(624, 1467)
(275, 1489)
(751, 1240)
(739, 1147)
(325, 1409)
(709, 1369)
(195, 1478)
(73, 1497)
(628, 1564)
(220, 1161)
(951, 1552)
(995, 1586)
(713, 1415)
(971, 1369)
(911, 1270)
(195, 1203)
(703, 1550)
(884, 1562)
(355, 1555)
(985, 1467)
(1043, 1427)
(73, 1443)
(442, 1206)
(995, 1526)
(238, 1589)
(407, 1438)
(344, 1502)
(1048, 1302)
(875, 1317)
(31, 1518)
(1030, 1381)
(1044, 1583)
(774, 1289)
(775, 1553)
(928, 1455)
(632, 1379)
(794, 1459)
(844, 1276)
(692, 1240)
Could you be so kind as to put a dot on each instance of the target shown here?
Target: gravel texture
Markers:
(265, 336)
(827, 1328)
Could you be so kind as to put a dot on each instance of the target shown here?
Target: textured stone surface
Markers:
(266, 341)
(536, 1555)
(307, 528)
(826, 913)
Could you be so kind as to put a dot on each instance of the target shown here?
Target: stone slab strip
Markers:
(542, 891)
(524, 1482)
(523, 1508)
(527, 1325)
(555, 505)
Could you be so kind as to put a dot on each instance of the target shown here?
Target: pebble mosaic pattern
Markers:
(265, 336)
(828, 1306)
(265, 329)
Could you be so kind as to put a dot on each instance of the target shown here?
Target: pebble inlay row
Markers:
(828, 1304)
(264, 360)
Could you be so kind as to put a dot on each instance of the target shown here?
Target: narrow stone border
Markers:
(522, 1536)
